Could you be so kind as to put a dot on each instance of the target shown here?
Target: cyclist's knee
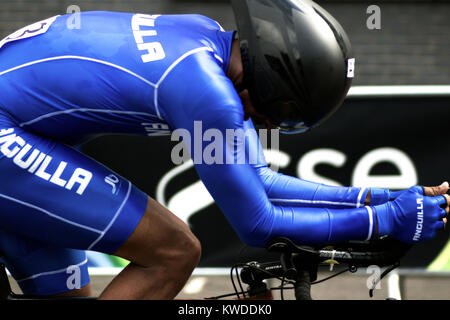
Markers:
(162, 239)
(178, 258)
(183, 254)
(186, 254)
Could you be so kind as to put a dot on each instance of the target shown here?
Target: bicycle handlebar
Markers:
(299, 263)
(381, 252)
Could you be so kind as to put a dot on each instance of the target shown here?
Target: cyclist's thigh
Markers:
(42, 269)
(53, 193)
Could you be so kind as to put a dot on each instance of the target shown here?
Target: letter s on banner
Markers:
(305, 167)
(406, 178)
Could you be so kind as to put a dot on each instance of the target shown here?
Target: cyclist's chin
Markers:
(260, 121)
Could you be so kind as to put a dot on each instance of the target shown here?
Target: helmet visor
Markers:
(288, 127)
(286, 115)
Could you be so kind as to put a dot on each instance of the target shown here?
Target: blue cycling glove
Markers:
(381, 196)
(411, 217)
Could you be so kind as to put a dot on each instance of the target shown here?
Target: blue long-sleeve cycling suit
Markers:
(132, 74)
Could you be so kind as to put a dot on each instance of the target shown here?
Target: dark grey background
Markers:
(412, 47)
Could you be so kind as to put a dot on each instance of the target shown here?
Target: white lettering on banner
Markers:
(407, 177)
(305, 167)
(361, 174)
(154, 50)
(14, 146)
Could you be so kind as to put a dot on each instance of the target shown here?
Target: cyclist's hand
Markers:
(412, 216)
(379, 196)
(436, 191)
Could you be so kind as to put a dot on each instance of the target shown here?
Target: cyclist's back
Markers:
(103, 77)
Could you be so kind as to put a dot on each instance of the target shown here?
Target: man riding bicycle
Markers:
(290, 69)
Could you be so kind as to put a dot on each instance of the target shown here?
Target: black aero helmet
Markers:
(297, 59)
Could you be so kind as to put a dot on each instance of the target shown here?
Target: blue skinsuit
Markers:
(132, 74)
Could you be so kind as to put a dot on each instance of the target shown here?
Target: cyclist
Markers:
(125, 73)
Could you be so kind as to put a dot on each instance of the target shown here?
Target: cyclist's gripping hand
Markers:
(412, 217)
(380, 196)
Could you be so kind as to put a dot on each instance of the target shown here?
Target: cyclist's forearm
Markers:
(313, 225)
(289, 191)
(241, 197)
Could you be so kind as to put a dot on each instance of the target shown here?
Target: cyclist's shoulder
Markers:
(199, 72)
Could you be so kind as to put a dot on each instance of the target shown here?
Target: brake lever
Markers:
(288, 266)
